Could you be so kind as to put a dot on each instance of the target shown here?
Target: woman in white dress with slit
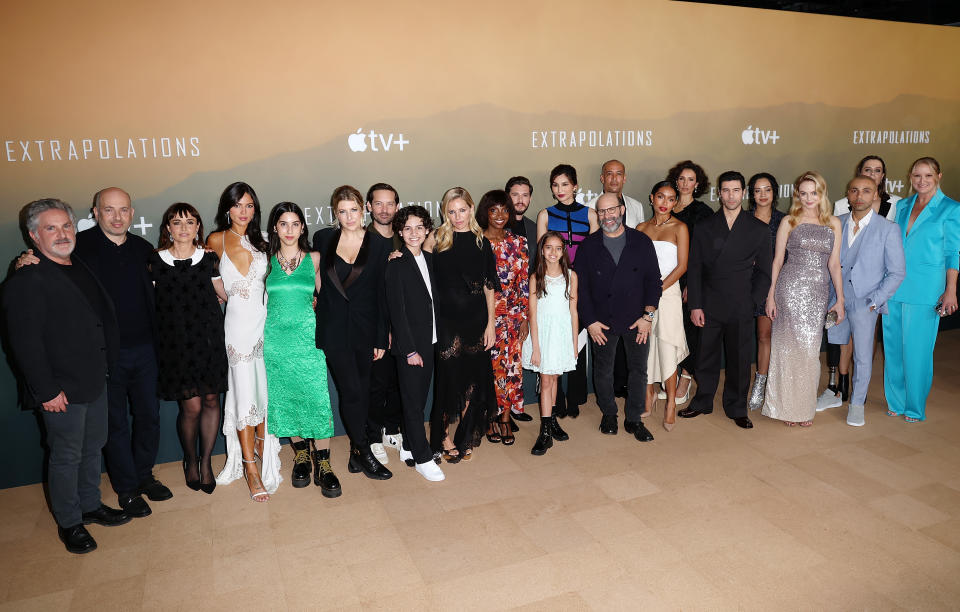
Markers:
(243, 267)
(668, 342)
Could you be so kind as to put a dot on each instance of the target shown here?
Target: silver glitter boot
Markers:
(756, 394)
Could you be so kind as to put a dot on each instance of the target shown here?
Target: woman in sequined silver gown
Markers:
(798, 300)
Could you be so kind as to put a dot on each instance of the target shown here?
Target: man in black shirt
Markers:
(118, 259)
(63, 334)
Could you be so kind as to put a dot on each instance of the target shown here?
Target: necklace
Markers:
(176, 255)
(289, 265)
(661, 224)
(235, 233)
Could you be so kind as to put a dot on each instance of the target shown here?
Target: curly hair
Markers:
(703, 183)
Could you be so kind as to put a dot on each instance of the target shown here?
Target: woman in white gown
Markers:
(243, 267)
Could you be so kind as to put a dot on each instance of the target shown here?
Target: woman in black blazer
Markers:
(351, 317)
(410, 298)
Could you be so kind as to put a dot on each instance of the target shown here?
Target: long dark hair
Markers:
(703, 183)
(882, 186)
(228, 199)
(273, 239)
(753, 183)
(540, 272)
(180, 209)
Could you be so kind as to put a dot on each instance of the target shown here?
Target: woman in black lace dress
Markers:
(464, 283)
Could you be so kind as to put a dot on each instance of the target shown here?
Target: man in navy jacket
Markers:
(619, 290)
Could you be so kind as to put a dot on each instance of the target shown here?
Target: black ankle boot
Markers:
(544, 440)
(323, 475)
(362, 460)
(555, 432)
(301, 464)
(843, 387)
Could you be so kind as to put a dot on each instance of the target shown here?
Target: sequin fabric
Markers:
(802, 294)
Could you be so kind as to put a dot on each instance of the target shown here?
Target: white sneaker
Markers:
(407, 457)
(379, 452)
(431, 471)
(828, 399)
(855, 416)
(393, 440)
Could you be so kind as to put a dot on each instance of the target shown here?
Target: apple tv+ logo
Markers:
(755, 136)
(360, 141)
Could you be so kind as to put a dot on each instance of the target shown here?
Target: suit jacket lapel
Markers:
(331, 266)
(360, 263)
(925, 214)
(733, 231)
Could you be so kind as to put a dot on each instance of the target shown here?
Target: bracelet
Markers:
(411, 354)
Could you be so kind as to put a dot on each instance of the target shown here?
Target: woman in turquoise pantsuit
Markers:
(930, 223)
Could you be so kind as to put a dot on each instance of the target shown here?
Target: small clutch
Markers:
(830, 320)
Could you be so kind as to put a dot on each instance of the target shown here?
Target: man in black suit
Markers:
(727, 278)
(63, 335)
(413, 322)
(619, 290)
(521, 191)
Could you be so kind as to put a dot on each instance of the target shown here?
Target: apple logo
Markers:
(747, 135)
(357, 142)
(85, 224)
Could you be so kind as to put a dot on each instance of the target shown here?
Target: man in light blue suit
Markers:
(871, 256)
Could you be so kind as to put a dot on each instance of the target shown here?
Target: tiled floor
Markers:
(708, 516)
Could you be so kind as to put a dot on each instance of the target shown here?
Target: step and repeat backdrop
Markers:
(174, 102)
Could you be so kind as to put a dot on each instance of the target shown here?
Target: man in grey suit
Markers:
(871, 254)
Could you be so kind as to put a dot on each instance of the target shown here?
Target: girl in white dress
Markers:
(243, 266)
(551, 347)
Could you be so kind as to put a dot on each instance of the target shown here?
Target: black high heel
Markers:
(208, 487)
(191, 484)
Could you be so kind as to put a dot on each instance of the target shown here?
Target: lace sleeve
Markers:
(489, 278)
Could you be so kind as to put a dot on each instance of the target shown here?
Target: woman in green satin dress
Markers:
(299, 402)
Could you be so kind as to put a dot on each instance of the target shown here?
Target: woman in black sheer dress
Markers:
(465, 280)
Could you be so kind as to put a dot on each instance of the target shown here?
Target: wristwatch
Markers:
(648, 315)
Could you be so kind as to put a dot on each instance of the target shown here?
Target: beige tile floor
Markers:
(708, 516)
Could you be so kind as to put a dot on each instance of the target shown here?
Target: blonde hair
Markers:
(929, 161)
(824, 208)
(444, 233)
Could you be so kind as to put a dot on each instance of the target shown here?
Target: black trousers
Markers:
(414, 387)
(385, 409)
(131, 453)
(620, 371)
(604, 357)
(75, 439)
(736, 339)
(351, 374)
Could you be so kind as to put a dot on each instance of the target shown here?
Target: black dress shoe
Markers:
(608, 424)
(154, 490)
(362, 460)
(109, 517)
(640, 432)
(744, 422)
(77, 539)
(521, 416)
(689, 413)
(133, 506)
(620, 391)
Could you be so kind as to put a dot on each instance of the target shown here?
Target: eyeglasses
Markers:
(608, 212)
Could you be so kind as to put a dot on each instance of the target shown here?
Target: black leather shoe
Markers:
(362, 460)
(620, 391)
(555, 432)
(630, 426)
(523, 417)
(744, 422)
(323, 475)
(545, 439)
(77, 539)
(689, 413)
(109, 517)
(608, 424)
(154, 490)
(301, 465)
(640, 432)
(133, 506)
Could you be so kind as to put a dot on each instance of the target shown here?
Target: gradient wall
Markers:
(174, 101)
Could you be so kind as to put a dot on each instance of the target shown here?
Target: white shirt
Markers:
(842, 207)
(634, 216)
(422, 264)
(851, 237)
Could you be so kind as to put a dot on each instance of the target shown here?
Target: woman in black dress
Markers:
(191, 355)
(691, 182)
(465, 282)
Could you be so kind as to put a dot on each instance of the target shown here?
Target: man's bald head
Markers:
(612, 175)
(113, 211)
(861, 192)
